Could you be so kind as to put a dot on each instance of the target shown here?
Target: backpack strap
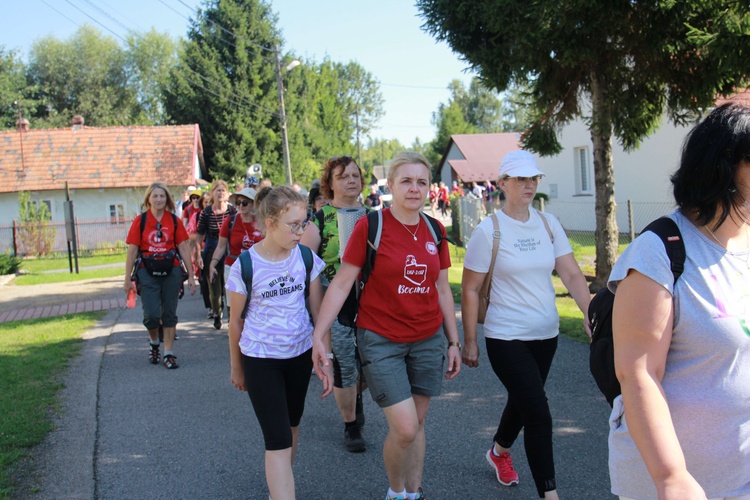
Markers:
(434, 226)
(374, 233)
(666, 229)
(246, 267)
(307, 258)
(546, 226)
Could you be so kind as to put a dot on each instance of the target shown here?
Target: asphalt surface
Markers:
(129, 429)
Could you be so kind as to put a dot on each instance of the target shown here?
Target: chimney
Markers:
(22, 125)
(77, 122)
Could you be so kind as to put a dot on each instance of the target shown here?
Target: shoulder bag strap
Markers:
(487, 283)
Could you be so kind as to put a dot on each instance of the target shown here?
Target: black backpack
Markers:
(601, 354)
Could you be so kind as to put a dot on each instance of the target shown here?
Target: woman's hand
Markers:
(454, 362)
(470, 355)
(212, 272)
(127, 285)
(323, 365)
(237, 376)
(199, 260)
(192, 286)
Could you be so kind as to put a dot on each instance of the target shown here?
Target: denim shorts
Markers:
(396, 370)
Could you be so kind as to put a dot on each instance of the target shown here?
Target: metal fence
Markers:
(577, 218)
(93, 237)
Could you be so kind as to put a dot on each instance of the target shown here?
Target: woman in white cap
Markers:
(522, 323)
(239, 232)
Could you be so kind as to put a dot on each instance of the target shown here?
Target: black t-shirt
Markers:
(374, 199)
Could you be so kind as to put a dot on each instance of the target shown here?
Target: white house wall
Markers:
(641, 176)
(453, 154)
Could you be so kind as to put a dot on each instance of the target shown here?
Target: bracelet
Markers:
(454, 344)
(329, 355)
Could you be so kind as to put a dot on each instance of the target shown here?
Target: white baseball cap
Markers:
(519, 163)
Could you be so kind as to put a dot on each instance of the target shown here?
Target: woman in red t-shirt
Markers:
(163, 235)
(402, 310)
(241, 236)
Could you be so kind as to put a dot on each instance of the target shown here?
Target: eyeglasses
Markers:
(193, 198)
(245, 203)
(295, 227)
(525, 180)
(159, 234)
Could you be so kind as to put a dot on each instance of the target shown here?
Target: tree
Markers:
(632, 60)
(14, 91)
(225, 81)
(147, 56)
(36, 234)
(84, 75)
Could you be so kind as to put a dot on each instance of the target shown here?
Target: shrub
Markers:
(9, 264)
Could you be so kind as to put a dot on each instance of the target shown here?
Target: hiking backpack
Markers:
(246, 267)
(601, 353)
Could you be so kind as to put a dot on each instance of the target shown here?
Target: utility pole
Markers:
(282, 117)
(359, 146)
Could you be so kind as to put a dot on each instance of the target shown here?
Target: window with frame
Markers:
(38, 203)
(583, 172)
(117, 214)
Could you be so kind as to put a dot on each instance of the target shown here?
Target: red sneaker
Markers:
(503, 466)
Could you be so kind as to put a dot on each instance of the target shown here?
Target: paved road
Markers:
(133, 430)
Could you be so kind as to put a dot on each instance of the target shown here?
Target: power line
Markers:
(66, 17)
(114, 20)
(96, 21)
(222, 28)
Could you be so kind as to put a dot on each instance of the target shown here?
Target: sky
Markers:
(384, 37)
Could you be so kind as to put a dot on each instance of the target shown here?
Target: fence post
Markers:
(631, 223)
(15, 240)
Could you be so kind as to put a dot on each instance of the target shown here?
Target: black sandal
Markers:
(170, 362)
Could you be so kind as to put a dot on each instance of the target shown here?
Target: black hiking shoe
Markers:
(353, 440)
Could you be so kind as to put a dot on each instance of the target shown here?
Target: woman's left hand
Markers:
(192, 286)
(323, 367)
(454, 362)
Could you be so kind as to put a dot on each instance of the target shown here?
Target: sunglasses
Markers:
(245, 203)
(159, 234)
(525, 180)
(195, 198)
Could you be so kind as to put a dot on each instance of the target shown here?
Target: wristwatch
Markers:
(457, 344)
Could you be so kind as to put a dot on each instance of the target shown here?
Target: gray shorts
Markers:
(159, 297)
(345, 352)
(396, 370)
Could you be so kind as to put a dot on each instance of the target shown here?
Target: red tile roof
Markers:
(742, 97)
(92, 157)
(482, 154)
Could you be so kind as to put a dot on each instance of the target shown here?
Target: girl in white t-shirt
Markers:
(521, 325)
(271, 348)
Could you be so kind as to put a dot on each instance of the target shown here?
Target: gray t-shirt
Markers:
(707, 375)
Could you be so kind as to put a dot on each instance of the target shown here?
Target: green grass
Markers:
(38, 265)
(33, 356)
(36, 276)
(37, 279)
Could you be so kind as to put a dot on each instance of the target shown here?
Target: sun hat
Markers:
(248, 193)
(195, 192)
(519, 164)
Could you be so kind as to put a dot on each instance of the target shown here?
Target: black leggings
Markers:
(522, 367)
(277, 389)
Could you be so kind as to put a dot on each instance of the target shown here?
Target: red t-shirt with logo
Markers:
(400, 300)
(171, 236)
(244, 235)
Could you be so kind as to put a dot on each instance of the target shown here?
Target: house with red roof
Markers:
(642, 176)
(106, 169)
(475, 157)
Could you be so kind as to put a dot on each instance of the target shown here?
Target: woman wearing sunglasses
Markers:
(239, 233)
(155, 244)
(522, 323)
(210, 222)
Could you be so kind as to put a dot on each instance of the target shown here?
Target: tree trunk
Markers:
(607, 234)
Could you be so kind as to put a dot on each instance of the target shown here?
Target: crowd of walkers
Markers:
(334, 283)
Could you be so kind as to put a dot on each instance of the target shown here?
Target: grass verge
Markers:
(33, 357)
(36, 268)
